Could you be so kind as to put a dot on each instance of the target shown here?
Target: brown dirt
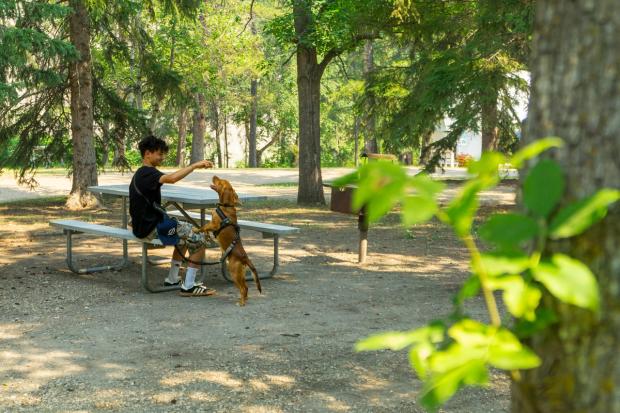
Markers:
(99, 343)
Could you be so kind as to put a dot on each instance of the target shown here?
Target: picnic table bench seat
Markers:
(268, 230)
(272, 231)
(72, 227)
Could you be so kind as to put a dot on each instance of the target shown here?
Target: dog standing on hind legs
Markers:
(224, 226)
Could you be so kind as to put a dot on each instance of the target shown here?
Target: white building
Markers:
(470, 142)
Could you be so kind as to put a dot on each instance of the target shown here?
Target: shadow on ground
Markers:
(98, 343)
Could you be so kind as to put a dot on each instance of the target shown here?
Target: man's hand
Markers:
(203, 164)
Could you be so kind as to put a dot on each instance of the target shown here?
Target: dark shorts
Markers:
(193, 241)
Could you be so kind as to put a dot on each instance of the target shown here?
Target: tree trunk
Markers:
(370, 146)
(489, 121)
(576, 96)
(154, 116)
(226, 155)
(356, 141)
(425, 151)
(215, 122)
(252, 163)
(198, 130)
(246, 124)
(309, 73)
(182, 126)
(106, 142)
(259, 152)
(80, 79)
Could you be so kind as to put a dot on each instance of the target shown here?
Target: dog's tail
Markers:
(254, 274)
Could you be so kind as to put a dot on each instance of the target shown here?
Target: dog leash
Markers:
(224, 223)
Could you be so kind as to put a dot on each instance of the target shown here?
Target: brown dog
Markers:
(227, 234)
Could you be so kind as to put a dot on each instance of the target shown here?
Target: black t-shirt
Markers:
(144, 217)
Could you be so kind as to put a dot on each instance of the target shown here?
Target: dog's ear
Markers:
(236, 200)
(227, 196)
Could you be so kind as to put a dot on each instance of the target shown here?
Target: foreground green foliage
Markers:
(458, 351)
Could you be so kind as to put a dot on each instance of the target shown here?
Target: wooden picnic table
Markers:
(183, 198)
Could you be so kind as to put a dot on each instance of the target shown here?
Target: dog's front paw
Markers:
(196, 230)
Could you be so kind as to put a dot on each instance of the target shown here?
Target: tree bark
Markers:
(489, 121)
(225, 128)
(252, 163)
(106, 140)
(199, 127)
(80, 79)
(217, 127)
(356, 142)
(182, 127)
(309, 72)
(425, 151)
(576, 96)
(370, 146)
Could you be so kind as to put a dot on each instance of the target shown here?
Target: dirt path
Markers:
(251, 181)
(98, 343)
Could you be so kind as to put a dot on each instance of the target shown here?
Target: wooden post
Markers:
(362, 225)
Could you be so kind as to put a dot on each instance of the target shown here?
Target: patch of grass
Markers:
(36, 202)
(280, 185)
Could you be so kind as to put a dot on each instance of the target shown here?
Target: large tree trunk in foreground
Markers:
(576, 96)
(80, 79)
(309, 73)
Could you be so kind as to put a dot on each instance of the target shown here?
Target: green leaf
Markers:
(508, 230)
(345, 180)
(522, 299)
(426, 186)
(470, 333)
(441, 387)
(470, 289)
(506, 352)
(543, 187)
(418, 358)
(416, 209)
(380, 187)
(577, 217)
(534, 149)
(461, 210)
(488, 164)
(544, 318)
(569, 280)
(398, 340)
(504, 263)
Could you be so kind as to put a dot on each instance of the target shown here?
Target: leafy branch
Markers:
(448, 356)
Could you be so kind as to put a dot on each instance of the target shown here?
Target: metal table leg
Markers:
(145, 280)
(124, 225)
(99, 268)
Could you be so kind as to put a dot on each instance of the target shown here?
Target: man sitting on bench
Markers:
(146, 189)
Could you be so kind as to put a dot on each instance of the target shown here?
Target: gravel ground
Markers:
(90, 343)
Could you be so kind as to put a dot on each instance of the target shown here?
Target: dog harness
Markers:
(226, 222)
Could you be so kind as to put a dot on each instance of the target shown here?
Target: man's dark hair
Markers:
(152, 143)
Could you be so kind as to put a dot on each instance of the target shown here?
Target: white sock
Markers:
(190, 276)
(173, 274)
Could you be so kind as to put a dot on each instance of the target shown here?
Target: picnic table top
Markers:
(176, 193)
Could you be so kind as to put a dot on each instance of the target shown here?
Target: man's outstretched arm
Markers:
(182, 173)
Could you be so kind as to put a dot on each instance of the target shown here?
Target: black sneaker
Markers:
(169, 284)
(197, 291)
